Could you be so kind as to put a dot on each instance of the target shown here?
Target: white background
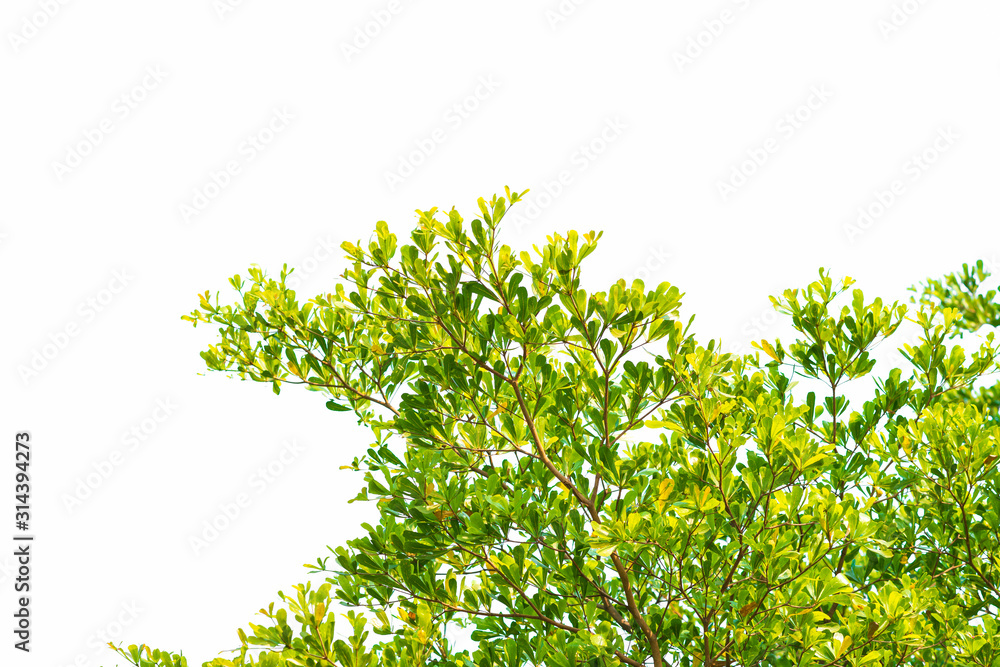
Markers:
(683, 94)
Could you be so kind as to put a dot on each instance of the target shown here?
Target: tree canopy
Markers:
(571, 478)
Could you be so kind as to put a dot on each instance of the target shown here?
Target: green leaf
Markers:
(871, 656)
